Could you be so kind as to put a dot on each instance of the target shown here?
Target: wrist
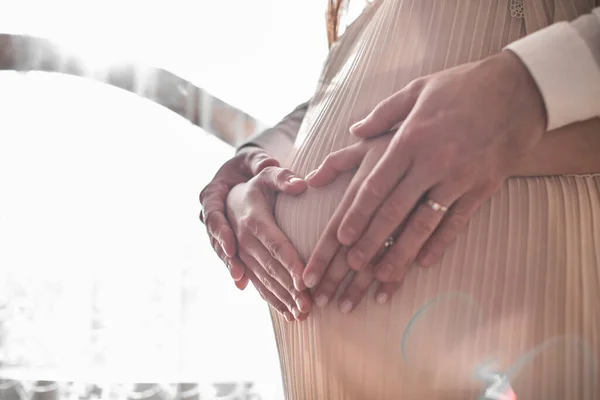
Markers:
(527, 91)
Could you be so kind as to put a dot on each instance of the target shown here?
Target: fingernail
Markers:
(288, 316)
(322, 301)
(356, 125)
(294, 180)
(356, 259)
(296, 312)
(346, 306)
(310, 175)
(311, 280)
(298, 284)
(382, 298)
(301, 304)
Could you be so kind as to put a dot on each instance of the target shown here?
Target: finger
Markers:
(258, 159)
(281, 250)
(254, 263)
(274, 269)
(419, 226)
(385, 291)
(332, 279)
(282, 180)
(371, 224)
(453, 223)
(374, 191)
(242, 283)
(356, 289)
(236, 268)
(337, 163)
(328, 244)
(269, 297)
(234, 265)
(213, 213)
(389, 112)
(327, 247)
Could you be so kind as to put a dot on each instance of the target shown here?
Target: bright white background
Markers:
(263, 56)
(105, 271)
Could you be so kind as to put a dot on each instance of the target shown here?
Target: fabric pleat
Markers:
(524, 275)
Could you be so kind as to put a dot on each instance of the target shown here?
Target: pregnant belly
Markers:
(304, 218)
(528, 259)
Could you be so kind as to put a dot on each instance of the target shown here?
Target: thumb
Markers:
(282, 180)
(337, 163)
(389, 113)
(256, 159)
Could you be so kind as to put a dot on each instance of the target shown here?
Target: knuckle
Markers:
(266, 281)
(215, 226)
(289, 303)
(243, 239)
(276, 248)
(374, 188)
(274, 174)
(441, 242)
(282, 174)
(279, 307)
(213, 188)
(288, 285)
(455, 223)
(367, 246)
(205, 192)
(422, 226)
(391, 211)
(385, 107)
(415, 85)
(250, 225)
(330, 160)
(270, 267)
(328, 286)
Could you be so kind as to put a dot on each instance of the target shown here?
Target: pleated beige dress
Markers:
(525, 273)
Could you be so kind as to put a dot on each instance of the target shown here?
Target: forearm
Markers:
(573, 149)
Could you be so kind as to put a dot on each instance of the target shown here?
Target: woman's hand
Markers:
(327, 267)
(247, 163)
(461, 132)
(272, 262)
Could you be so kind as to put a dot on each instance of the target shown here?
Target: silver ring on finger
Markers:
(435, 206)
(389, 242)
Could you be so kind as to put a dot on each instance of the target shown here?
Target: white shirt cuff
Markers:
(565, 71)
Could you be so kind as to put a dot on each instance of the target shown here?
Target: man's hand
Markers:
(248, 162)
(272, 262)
(461, 131)
(327, 266)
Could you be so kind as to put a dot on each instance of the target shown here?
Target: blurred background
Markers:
(108, 285)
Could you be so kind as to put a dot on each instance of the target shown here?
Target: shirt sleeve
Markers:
(279, 140)
(564, 61)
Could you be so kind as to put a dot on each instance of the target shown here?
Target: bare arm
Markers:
(573, 149)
